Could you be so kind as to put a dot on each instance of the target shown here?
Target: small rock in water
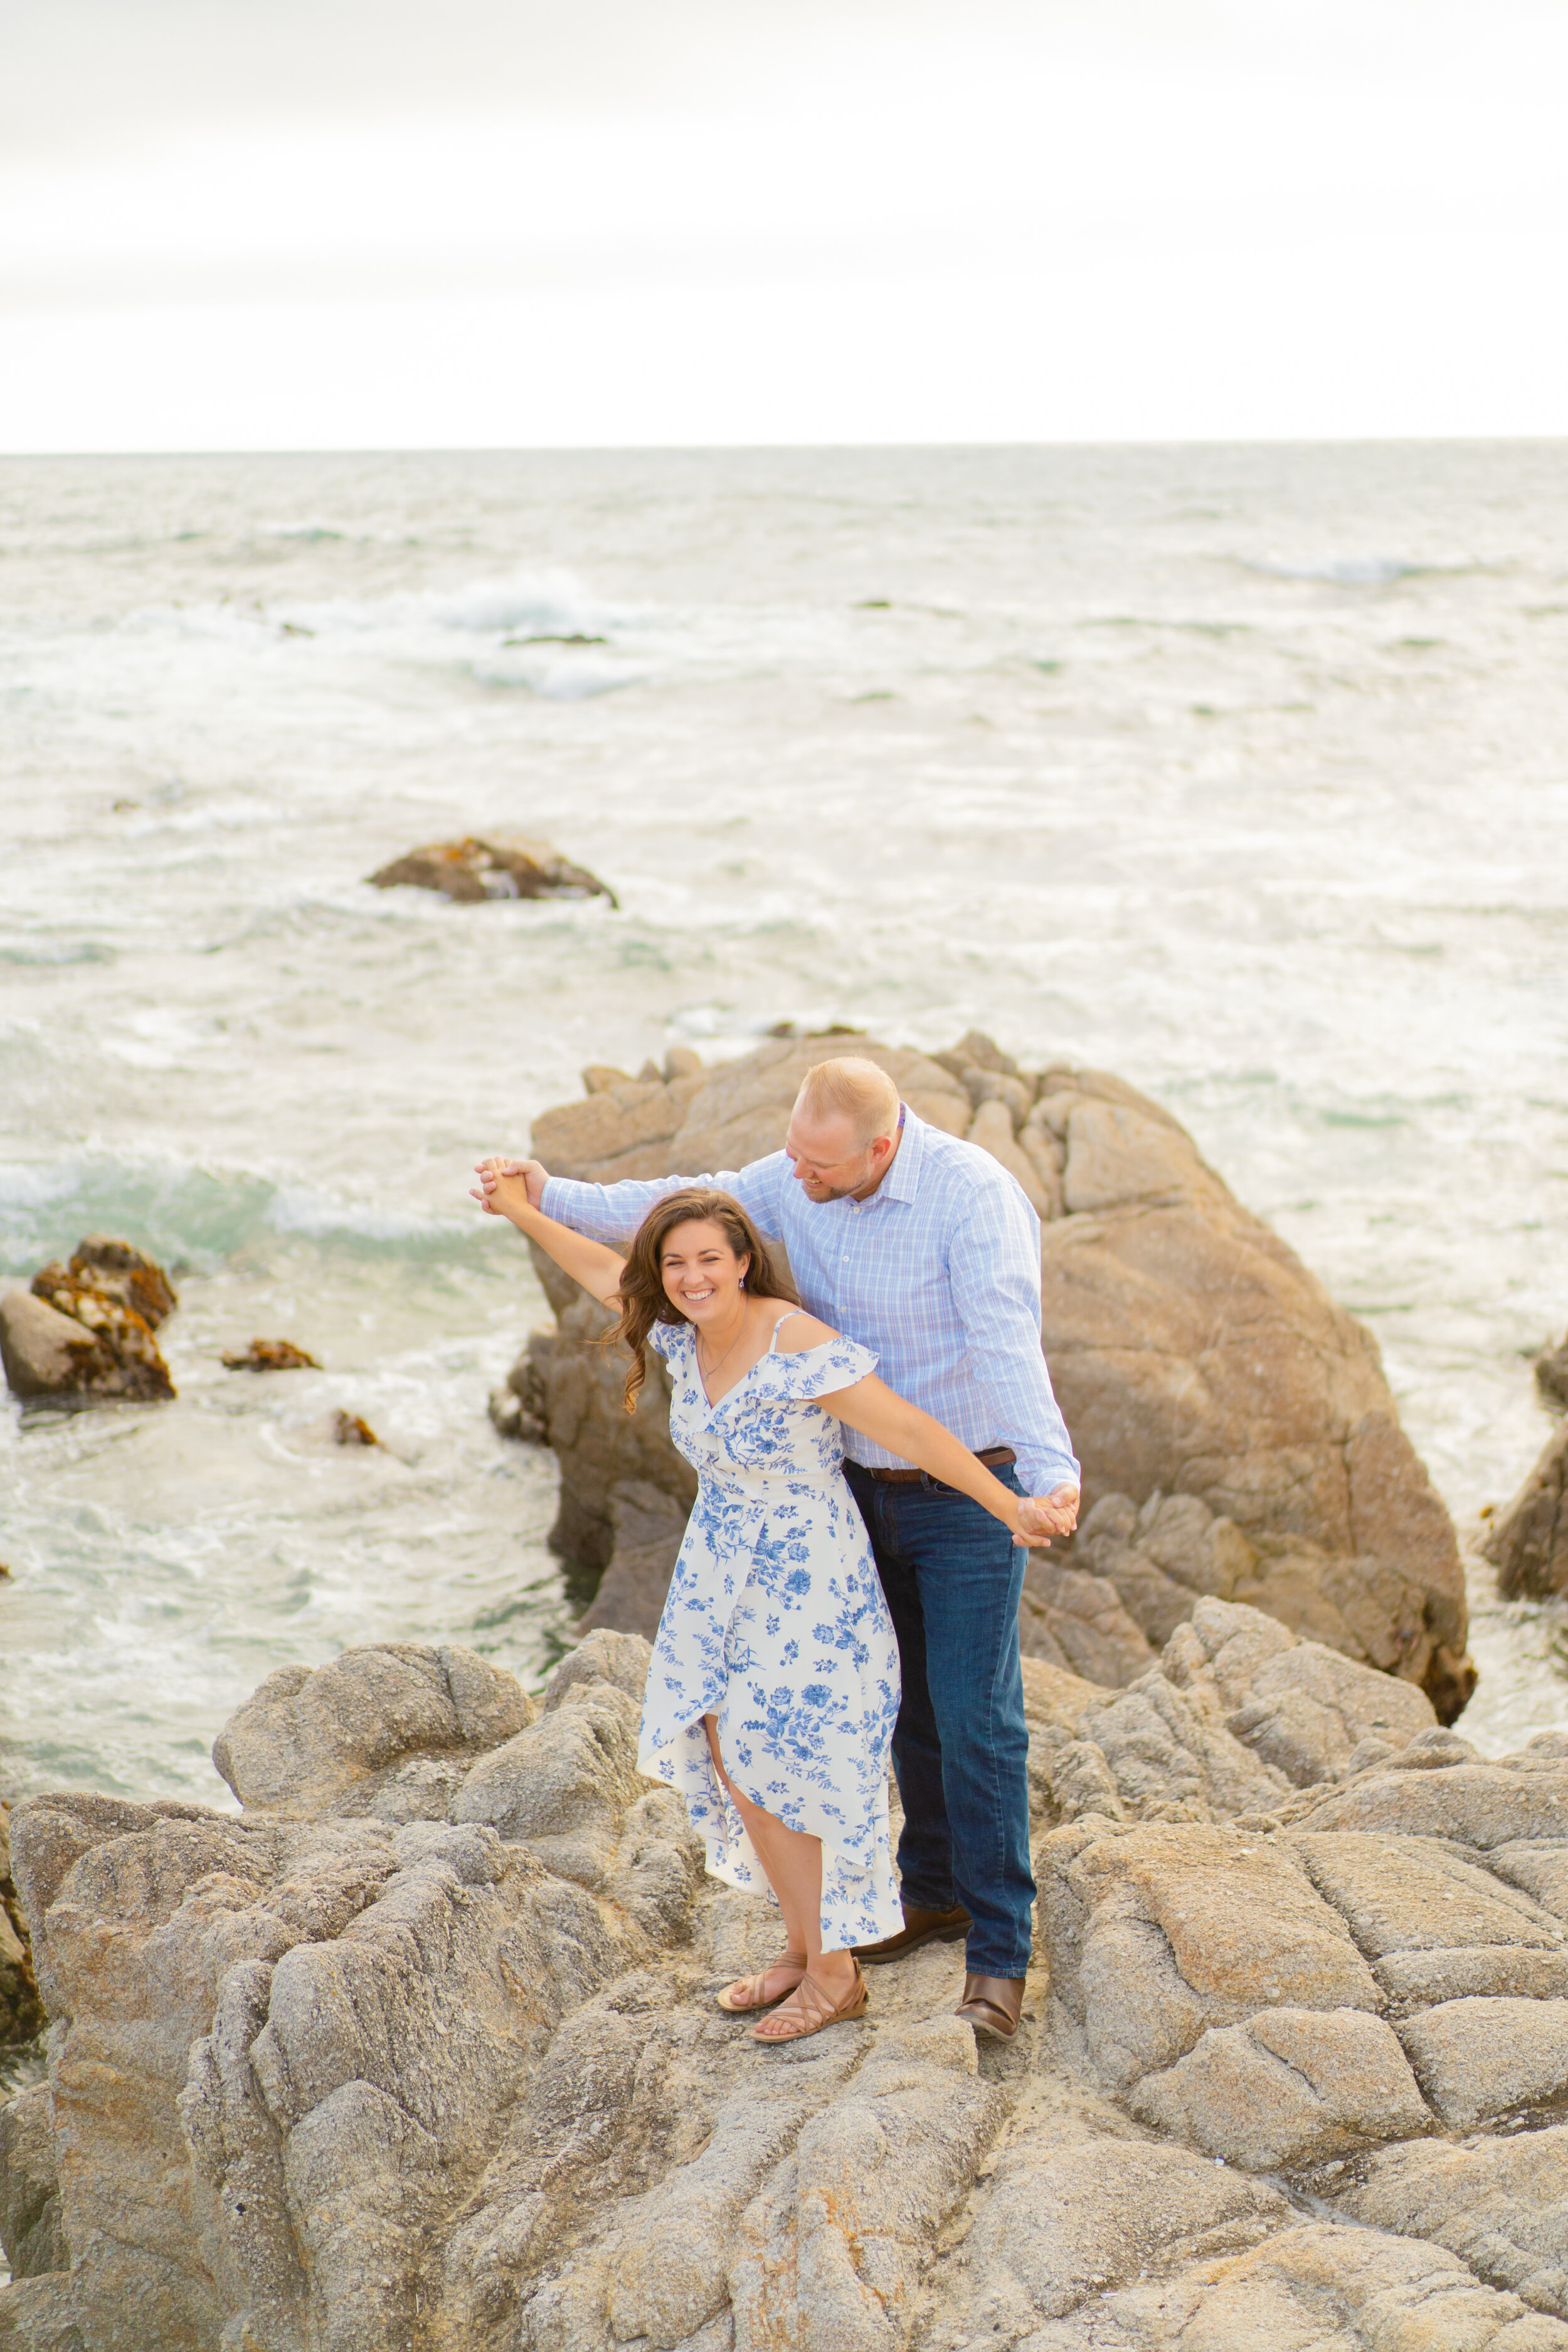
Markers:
(1552, 1373)
(272, 1356)
(116, 1270)
(520, 1409)
(84, 1331)
(348, 1429)
(1529, 1544)
(509, 866)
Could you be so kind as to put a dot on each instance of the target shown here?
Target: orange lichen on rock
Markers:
(506, 866)
(272, 1356)
(84, 1331)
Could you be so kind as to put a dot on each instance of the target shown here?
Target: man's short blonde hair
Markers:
(855, 1089)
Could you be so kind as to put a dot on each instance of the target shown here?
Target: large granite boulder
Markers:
(83, 1333)
(1237, 1436)
(419, 2049)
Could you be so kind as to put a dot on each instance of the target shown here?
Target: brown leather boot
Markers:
(918, 1927)
(993, 2005)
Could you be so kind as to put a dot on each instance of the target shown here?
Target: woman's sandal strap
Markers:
(762, 1999)
(829, 2010)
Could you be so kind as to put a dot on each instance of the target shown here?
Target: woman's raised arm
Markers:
(879, 1413)
(598, 1269)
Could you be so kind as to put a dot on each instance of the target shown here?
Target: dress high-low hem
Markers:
(775, 1625)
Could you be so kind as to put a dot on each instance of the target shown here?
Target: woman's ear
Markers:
(745, 1269)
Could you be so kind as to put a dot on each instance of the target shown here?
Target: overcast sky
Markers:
(276, 224)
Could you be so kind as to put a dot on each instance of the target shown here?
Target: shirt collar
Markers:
(902, 1178)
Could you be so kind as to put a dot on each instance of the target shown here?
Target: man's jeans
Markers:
(953, 1578)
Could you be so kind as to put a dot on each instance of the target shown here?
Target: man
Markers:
(925, 1249)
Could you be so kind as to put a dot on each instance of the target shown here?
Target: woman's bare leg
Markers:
(792, 1859)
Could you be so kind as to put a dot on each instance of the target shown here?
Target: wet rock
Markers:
(348, 1429)
(1239, 1439)
(1529, 1544)
(1551, 1374)
(84, 1331)
(501, 866)
(271, 1356)
(521, 1410)
(118, 1270)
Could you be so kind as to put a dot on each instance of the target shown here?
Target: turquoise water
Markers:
(1237, 771)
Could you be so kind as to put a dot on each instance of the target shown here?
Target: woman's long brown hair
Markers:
(644, 1298)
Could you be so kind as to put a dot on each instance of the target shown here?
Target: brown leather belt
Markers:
(994, 1457)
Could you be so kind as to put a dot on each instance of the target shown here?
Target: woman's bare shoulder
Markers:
(800, 1331)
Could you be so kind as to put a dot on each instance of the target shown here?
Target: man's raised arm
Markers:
(611, 1212)
(994, 1261)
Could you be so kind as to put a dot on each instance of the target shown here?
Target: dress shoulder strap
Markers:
(778, 1326)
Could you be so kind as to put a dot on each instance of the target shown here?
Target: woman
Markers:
(774, 1684)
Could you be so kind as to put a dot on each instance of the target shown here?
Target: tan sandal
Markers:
(756, 1996)
(819, 2010)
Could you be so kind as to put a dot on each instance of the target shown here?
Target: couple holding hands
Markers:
(851, 1575)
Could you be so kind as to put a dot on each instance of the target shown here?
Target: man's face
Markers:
(831, 1163)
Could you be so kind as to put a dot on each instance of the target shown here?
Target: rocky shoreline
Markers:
(419, 2049)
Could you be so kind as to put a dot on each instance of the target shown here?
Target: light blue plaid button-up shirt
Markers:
(938, 1272)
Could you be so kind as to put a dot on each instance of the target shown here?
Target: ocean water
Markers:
(1239, 771)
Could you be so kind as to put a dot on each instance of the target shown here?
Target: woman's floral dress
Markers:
(776, 1625)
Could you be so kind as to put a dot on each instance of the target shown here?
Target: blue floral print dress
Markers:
(776, 1625)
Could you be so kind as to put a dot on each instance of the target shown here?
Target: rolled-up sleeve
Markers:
(611, 1212)
(994, 1258)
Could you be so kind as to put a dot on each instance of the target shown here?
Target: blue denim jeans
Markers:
(961, 1750)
